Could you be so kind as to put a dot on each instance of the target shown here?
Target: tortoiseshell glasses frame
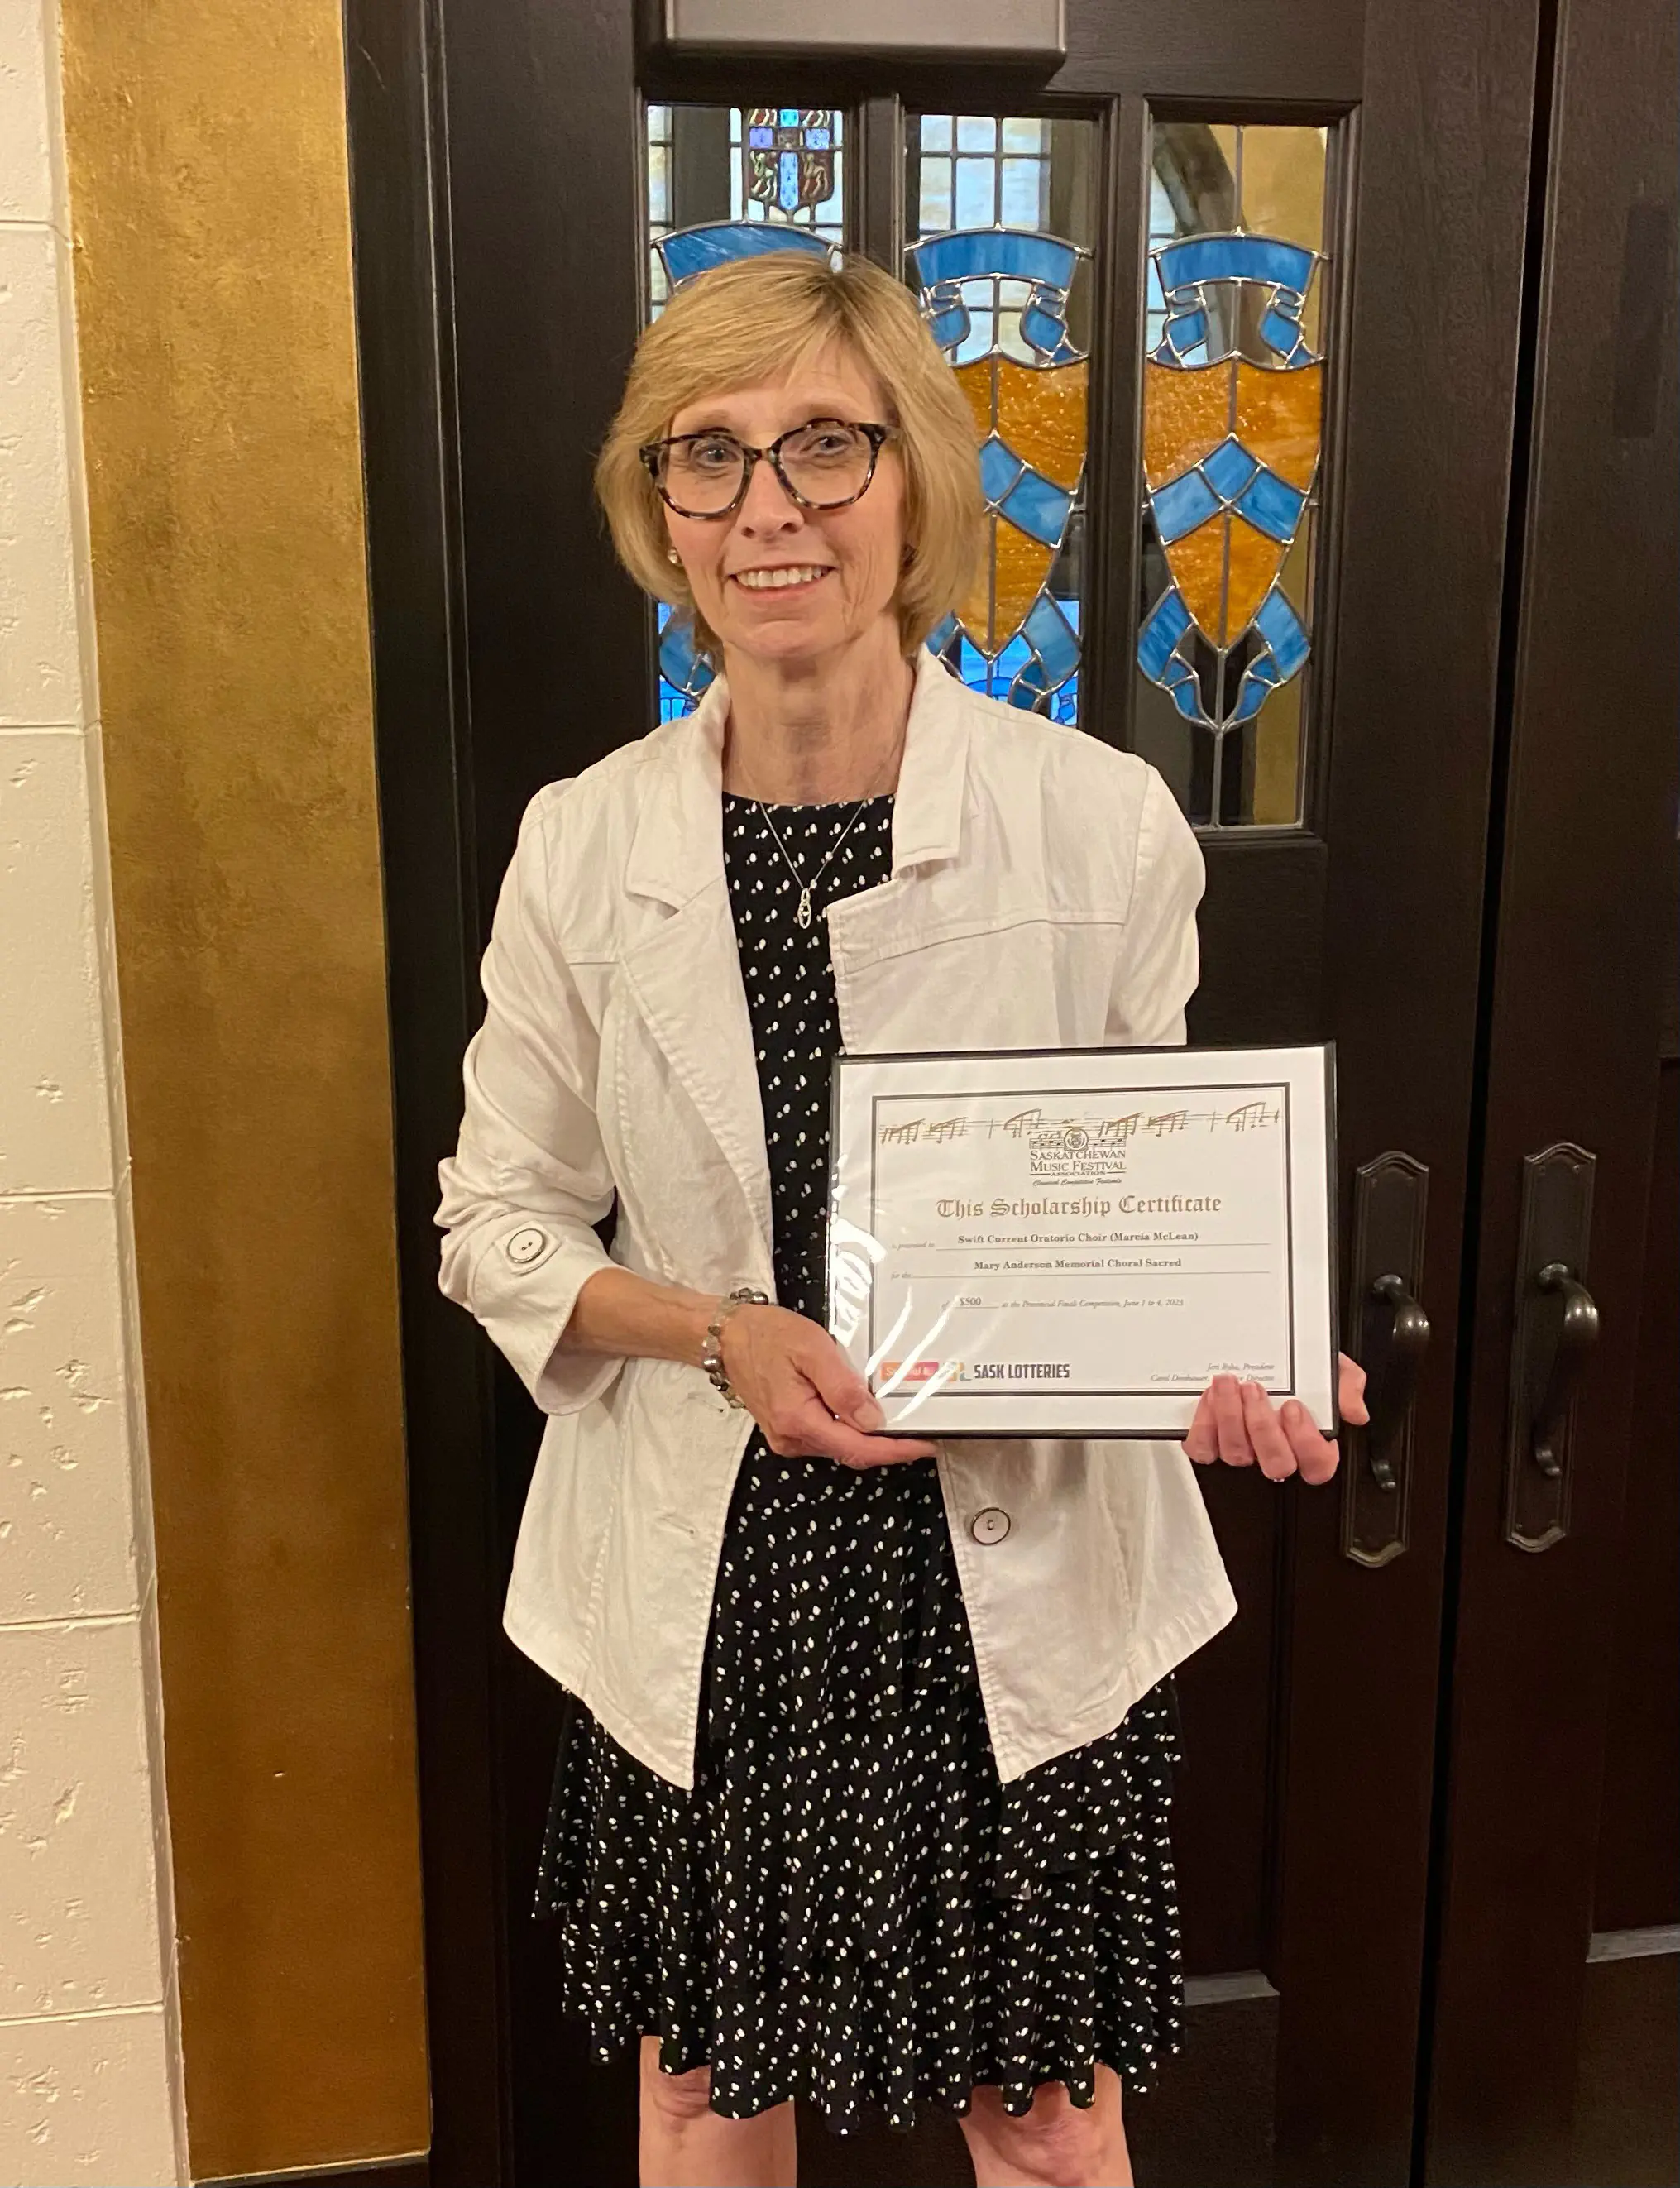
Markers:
(796, 449)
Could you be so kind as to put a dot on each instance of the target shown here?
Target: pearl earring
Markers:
(672, 555)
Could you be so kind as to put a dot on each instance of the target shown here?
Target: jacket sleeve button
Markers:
(990, 1526)
(526, 1246)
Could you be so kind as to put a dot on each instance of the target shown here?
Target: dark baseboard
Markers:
(370, 2172)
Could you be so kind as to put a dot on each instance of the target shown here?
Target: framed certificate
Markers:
(1074, 1242)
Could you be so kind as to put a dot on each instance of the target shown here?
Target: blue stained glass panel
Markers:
(1186, 337)
(1229, 469)
(1043, 333)
(1259, 683)
(693, 249)
(1040, 507)
(1236, 258)
(683, 675)
(998, 679)
(1273, 506)
(1052, 639)
(999, 469)
(1163, 627)
(961, 256)
(1181, 507)
(1154, 299)
(1280, 628)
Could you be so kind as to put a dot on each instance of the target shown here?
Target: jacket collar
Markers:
(933, 775)
(677, 849)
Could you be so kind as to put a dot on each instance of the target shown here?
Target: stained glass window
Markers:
(724, 167)
(789, 168)
(1233, 380)
(1002, 211)
(724, 182)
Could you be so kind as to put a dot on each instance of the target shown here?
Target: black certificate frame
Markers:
(967, 1059)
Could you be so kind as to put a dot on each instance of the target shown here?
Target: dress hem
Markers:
(1080, 2082)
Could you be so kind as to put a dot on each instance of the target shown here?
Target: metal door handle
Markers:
(1388, 1332)
(1554, 1326)
(1393, 1380)
(1577, 1335)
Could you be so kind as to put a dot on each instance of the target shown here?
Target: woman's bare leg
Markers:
(685, 2144)
(1054, 2146)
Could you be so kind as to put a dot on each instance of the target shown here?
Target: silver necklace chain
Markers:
(803, 914)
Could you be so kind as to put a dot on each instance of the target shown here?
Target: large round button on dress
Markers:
(526, 1246)
(990, 1526)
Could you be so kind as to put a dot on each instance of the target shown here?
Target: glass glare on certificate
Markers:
(1074, 1243)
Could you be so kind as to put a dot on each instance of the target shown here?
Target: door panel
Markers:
(1580, 946)
(1406, 820)
(1293, 1768)
(1636, 1879)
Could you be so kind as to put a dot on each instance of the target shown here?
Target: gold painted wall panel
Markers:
(210, 196)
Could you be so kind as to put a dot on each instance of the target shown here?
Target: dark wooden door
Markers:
(505, 158)
(1559, 1873)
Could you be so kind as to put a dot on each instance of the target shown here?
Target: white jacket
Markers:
(1043, 894)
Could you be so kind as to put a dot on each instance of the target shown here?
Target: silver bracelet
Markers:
(712, 1344)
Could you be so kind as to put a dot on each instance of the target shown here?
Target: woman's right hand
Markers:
(795, 1381)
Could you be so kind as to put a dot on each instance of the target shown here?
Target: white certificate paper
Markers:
(1075, 1242)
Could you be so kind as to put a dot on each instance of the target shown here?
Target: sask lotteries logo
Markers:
(921, 1371)
(895, 1374)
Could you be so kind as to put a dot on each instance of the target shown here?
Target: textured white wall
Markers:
(89, 2049)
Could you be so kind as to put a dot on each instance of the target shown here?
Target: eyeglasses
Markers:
(823, 464)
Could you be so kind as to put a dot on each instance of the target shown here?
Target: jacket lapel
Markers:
(880, 923)
(686, 972)
(934, 774)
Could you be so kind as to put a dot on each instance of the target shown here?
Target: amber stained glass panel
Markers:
(1232, 412)
(1001, 260)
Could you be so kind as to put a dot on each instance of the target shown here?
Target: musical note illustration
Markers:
(1256, 1114)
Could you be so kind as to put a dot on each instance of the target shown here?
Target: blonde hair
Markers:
(757, 318)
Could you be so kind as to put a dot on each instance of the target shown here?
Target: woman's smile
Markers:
(781, 577)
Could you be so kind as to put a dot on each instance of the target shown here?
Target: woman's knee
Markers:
(675, 2099)
(1057, 2143)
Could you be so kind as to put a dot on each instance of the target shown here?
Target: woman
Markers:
(857, 1801)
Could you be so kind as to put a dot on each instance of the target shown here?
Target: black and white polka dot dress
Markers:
(849, 1907)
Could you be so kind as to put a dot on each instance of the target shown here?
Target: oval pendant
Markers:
(803, 914)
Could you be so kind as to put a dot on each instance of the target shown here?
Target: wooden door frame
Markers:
(405, 318)
(463, 739)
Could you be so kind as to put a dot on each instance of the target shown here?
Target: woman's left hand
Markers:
(1236, 1423)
